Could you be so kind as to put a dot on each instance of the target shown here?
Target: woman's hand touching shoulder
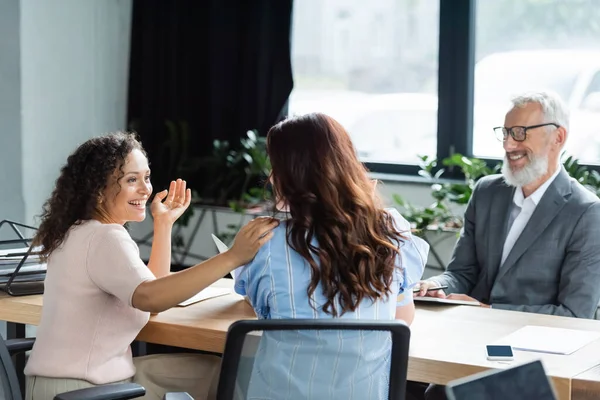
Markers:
(251, 238)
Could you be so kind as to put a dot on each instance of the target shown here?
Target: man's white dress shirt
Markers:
(522, 209)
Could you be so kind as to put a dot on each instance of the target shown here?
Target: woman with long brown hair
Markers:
(340, 254)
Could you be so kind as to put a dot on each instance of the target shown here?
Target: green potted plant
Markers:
(258, 165)
(234, 170)
(236, 187)
(439, 223)
(237, 174)
(588, 178)
(439, 215)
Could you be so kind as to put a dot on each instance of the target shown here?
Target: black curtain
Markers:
(205, 70)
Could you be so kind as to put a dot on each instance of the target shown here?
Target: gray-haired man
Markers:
(531, 236)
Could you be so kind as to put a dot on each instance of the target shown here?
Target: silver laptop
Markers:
(523, 382)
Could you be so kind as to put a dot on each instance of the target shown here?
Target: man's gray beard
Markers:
(537, 167)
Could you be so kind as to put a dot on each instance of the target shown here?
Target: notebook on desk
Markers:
(446, 301)
(210, 291)
(21, 273)
(207, 293)
(12, 257)
(21, 270)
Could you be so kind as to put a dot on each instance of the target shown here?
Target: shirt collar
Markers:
(536, 196)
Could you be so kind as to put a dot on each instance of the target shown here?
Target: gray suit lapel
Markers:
(499, 213)
(549, 206)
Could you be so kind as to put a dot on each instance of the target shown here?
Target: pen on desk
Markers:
(431, 289)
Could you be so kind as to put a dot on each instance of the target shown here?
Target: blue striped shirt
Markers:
(351, 364)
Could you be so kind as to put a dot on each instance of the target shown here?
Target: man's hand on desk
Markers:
(464, 297)
(425, 287)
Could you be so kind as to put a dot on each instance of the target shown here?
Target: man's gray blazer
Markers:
(554, 266)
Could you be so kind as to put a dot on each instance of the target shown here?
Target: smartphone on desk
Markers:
(499, 353)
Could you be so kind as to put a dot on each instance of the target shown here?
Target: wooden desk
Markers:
(447, 341)
(22, 310)
(200, 326)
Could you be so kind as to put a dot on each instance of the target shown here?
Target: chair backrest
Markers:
(9, 383)
(315, 358)
(522, 382)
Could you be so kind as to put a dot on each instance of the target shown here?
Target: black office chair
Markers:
(9, 388)
(305, 338)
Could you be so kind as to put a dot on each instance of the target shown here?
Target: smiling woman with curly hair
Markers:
(99, 293)
(79, 188)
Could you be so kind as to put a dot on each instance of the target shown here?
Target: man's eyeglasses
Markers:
(518, 133)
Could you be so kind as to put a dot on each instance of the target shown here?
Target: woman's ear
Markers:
(374, 183)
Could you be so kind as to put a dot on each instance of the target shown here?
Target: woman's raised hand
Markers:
(176, 200)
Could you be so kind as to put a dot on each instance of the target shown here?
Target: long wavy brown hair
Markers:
(81, 182)
(330, 198)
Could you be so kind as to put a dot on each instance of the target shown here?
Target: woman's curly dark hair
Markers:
(80, 184)
(330, 198)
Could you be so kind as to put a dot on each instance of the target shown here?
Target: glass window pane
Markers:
(374, 69)
(527, 45)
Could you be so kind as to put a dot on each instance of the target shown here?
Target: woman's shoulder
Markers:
(400, 222)
(280, 230)
(277, 246)
(94, 236)
(279, 236)
(98, 232)
(414, 248)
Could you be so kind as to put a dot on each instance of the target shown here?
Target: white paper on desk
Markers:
(7, 257)
(544, 339)
(10, 268)
(20, 250)
(222, 247)
(14, 261)
(207, 293)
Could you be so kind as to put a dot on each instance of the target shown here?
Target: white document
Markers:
(446, 301)
(544, 339)
(207, 293)
(222, 247)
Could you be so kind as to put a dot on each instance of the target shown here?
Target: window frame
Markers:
(456, 66)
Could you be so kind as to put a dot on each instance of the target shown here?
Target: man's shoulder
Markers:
(582, 195)
(584, 203)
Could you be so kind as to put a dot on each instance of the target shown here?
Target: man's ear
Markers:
(561, 137)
